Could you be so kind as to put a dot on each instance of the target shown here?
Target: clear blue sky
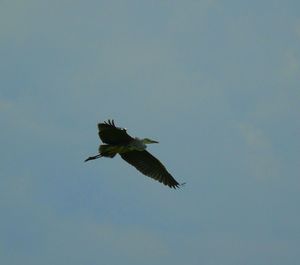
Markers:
(215, 82)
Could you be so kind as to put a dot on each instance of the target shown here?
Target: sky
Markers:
(217, 83)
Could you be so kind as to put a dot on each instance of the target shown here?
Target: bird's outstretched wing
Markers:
(110, 134)
(150, 166)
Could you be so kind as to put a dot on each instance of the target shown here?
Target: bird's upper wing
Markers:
(150, 166)
(110, 134)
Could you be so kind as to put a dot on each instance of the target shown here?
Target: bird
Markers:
(133, 151)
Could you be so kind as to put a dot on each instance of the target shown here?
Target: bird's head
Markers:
(149, 141)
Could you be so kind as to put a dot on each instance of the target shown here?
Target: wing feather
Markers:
(110, 134)
(150, 166)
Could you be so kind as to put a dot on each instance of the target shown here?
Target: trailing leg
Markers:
(92, 158)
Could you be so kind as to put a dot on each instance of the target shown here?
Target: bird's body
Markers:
(132, 150)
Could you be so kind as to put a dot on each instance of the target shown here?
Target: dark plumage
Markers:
(132, 150)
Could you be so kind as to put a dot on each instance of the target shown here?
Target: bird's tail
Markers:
(108, 150)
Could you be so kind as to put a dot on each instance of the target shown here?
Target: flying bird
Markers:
(132, 150)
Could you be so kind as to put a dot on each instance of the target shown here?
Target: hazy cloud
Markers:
(216, 83)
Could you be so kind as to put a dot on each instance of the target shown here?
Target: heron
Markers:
(133, 151)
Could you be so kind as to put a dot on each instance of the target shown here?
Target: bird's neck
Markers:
(138, 144)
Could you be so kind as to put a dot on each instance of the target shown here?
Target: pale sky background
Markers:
(217, 83)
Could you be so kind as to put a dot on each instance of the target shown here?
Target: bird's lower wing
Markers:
(150, 166)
